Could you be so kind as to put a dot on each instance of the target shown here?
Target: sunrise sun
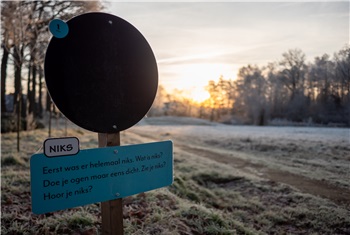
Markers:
(194, 77)
(199, 94)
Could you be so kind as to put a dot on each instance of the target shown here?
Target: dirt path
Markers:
(314, 187)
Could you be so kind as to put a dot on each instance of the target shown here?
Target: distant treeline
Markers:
(291, 90)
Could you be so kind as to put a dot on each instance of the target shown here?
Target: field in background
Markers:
(228, 180)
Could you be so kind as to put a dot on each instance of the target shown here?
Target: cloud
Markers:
(205, 57)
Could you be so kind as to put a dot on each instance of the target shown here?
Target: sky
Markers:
(195, 42)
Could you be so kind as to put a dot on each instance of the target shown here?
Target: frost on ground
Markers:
(320, 155)
(227, 180)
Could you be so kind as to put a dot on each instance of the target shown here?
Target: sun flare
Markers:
(188, 76)
(195, 77)
(199, 94)
(192, 78)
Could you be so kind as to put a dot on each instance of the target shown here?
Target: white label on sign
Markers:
(55, 147)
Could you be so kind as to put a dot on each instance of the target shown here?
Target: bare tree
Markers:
(342, 60)
(293, 70)
(24, 40)
(342, 71)
(220, 101)
(293, 74)
(277, 91)
(158, 106)
(252, 94)
(25, 36)
(4, 61)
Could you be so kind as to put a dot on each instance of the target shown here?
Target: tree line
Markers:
(291, 89)
(24, 39)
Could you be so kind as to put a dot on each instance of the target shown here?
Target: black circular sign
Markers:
(103, 74)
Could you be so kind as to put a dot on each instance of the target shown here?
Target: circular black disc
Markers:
(103, 74)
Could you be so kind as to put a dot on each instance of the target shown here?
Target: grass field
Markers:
(227, 180)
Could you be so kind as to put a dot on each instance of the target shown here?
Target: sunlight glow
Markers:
(188, 76)
(194, 77)
(199, 95)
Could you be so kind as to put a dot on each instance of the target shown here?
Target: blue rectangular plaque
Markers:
(100, 174)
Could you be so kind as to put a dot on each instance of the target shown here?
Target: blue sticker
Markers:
(58, 28)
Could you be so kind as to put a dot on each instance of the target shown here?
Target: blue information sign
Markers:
(100, 174)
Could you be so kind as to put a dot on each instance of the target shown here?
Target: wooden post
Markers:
(112, 211)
